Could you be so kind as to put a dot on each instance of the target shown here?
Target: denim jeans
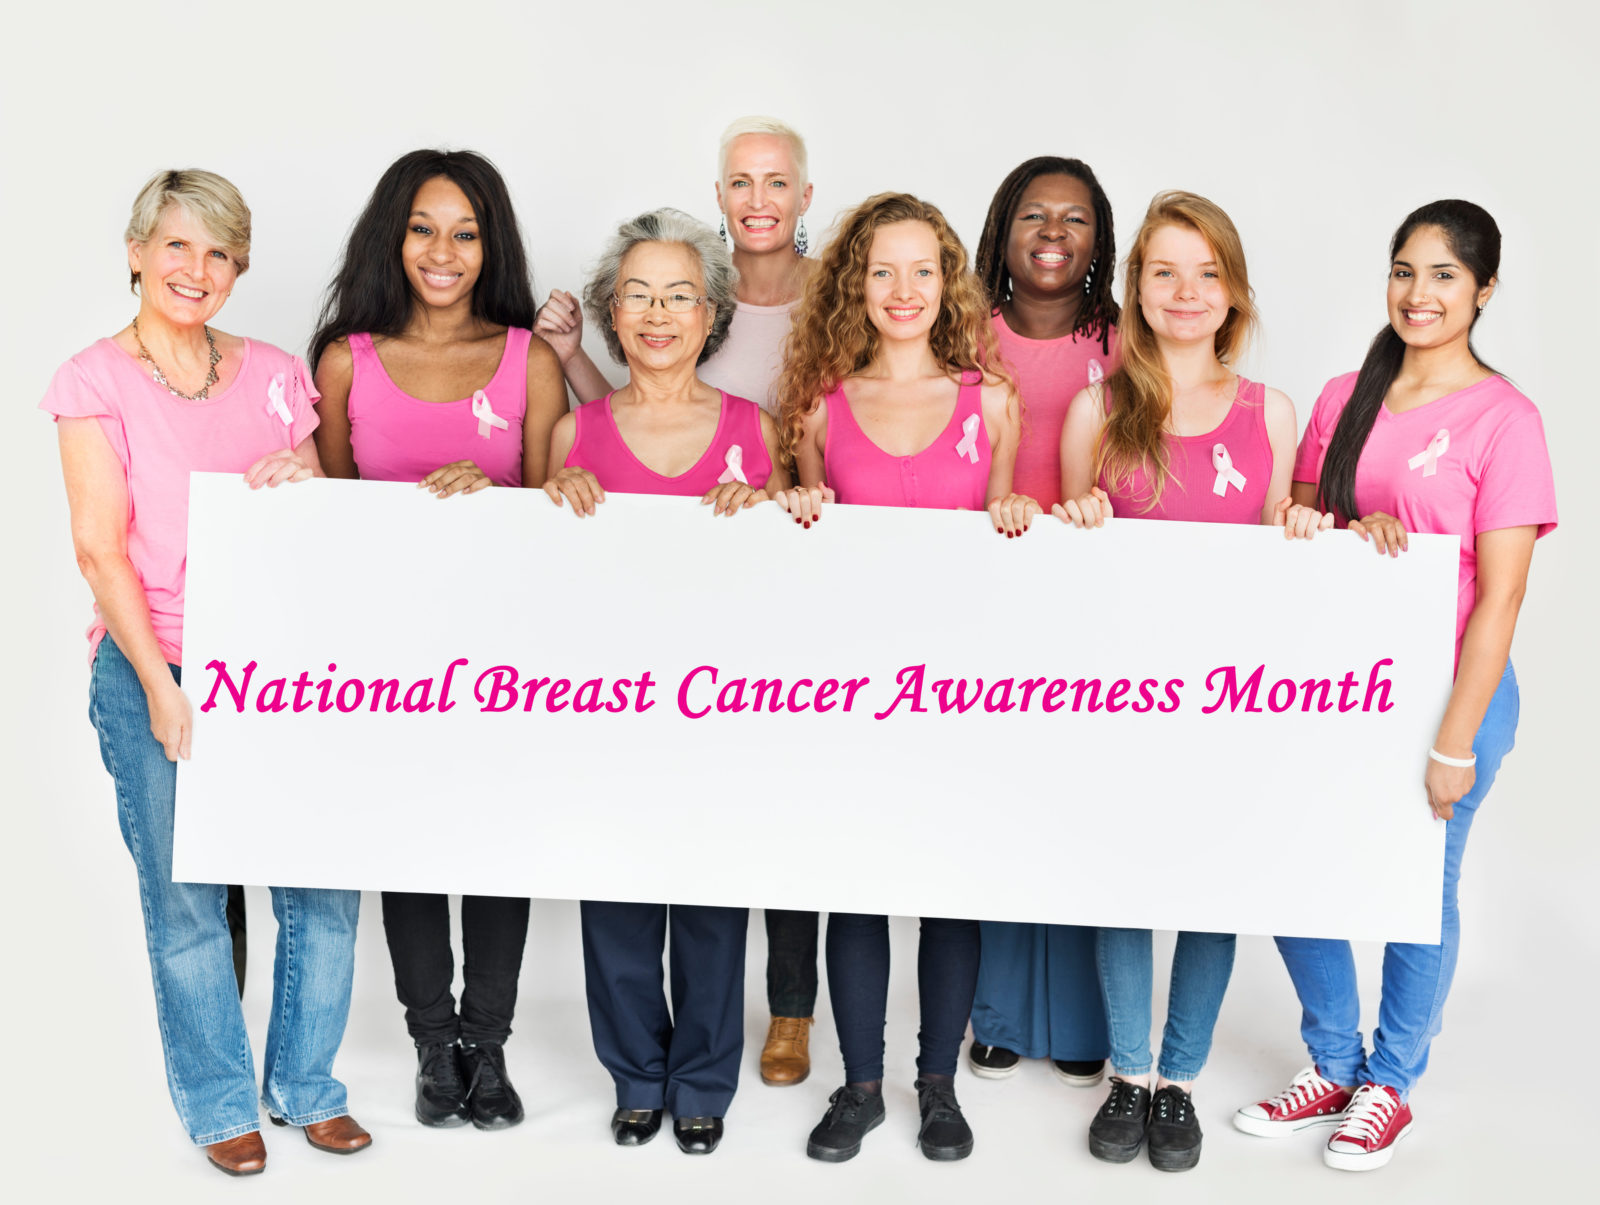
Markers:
(791, 963)
(1416, 978)
(210, 1072)
(1201, 966)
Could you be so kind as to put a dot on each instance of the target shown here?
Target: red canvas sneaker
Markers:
(1308, 1103)
(1373, 1123)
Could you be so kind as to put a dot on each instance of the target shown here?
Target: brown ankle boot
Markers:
(786, 1058)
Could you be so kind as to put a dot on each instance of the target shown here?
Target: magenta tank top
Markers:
(1219, 477)
(599, 447)
(951, 472)
(397, 437)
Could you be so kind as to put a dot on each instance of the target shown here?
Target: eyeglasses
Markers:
(641, 303)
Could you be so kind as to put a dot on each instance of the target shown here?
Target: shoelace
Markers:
(441, 1066)
(843, 1106)
(1369, 1114)
(1123, 1101)
(486, 1070)
(787, 1029)
(1172, 1104)
(1302, 1090)
(937, 1103)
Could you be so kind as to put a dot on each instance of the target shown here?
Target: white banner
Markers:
(1157, 725)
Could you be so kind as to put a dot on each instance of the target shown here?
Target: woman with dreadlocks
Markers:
(1046, 261)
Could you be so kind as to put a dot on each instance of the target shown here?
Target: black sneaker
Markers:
(441, 1096)
(1084, 1074)
(852, 1114)
(1117, 1131)
(992, 1062)
(1174, 1130)
(494, 1103)
(945, 1134)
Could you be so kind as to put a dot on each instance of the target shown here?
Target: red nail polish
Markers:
(808, 526)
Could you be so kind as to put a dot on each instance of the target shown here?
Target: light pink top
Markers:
(1469, 462)
(160, 438)
(397, 437)
(599, 447)
(1049, 374)
(750, 359)
(943, 476)
(1196, 467)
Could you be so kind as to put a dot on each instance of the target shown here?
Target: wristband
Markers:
(1461, 763)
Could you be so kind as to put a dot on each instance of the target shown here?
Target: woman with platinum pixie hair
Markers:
(664, 295)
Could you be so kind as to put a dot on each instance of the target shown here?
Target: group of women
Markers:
(886, 371)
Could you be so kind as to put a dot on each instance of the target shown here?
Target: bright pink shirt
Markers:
(1235, 457)
(949, 474)
(1469, 462)
(1049, 374)
(160, 439)
(397, 437)
(599, 447)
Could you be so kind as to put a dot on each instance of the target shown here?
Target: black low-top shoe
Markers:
(992, 1062)
(1117, 1131)
(635, 1127)
(697, 1135)
(1174, 1130)
(494, 1103)
(1080, 1074)
(851, 1115)
(945, 1134)
(441, 1094)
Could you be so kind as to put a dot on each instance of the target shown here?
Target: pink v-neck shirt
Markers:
(599, 447)
(951, 473)
(397, 437)
(1469, 462)
(160, 439)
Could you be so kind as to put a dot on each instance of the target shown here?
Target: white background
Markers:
(1317, 128)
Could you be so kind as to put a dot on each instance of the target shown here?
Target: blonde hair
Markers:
(763, 125)
(205, 196)
(1139, 393)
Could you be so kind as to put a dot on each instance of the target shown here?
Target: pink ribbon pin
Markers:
(484, 413)
(1428, 459)
(276, 404)
(968, 446)
(1096, 373)
(735, 469)
(1226, 474)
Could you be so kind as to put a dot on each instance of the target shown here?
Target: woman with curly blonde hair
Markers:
(892, 396)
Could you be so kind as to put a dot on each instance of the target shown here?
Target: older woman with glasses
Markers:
(663, 293)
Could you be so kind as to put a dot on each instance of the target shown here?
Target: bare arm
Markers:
(1281, 432)
(1085, 418)
(560, 324)
(546, 405)
(335, 372)
(780, 474)
(1002, 420)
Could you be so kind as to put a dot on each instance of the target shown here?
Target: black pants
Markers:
(791, 963)
(493, 931)
(858, 984)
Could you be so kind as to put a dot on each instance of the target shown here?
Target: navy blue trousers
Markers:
(687, 1060)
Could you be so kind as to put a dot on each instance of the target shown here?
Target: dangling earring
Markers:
(722, 227)
(1088, 278)
(801, 243)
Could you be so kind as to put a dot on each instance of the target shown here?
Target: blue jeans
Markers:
(209, 1068)
(1201, 966)
(1416, 978)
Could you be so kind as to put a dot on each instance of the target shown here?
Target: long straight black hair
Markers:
(1474, 239)
(1099, 309)
(370, 291)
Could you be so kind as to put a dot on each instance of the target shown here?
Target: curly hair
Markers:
(832, 338)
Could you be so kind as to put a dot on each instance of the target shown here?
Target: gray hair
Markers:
(665, 226)
(757, 124)
(205, 196)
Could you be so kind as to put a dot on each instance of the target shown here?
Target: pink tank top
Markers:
(599, 447)
(397, 437)
(1219, 477)
(951, 472)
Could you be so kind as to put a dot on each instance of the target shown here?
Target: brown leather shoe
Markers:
(245, 1155)
(786, 1058)
(338, 1135)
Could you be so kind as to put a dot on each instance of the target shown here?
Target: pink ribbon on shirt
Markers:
(1428, 459)
(1096, 373)
(735, 469)
(275, 403)
(484, 413)
(968, 446)
(1226, 474)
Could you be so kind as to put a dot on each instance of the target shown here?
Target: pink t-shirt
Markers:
(950, 473)
(1469, 462)
(750, 359)
(160, 438)
(1049, 374)
(599, 447)
(1235, 458)
(397, 437)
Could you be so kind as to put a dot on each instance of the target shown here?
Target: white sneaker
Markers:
(1309, 1102)
(1374, 1123)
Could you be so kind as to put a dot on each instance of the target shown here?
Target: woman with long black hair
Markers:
(429, 372)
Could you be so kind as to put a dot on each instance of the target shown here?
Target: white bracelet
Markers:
(1461, 763)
